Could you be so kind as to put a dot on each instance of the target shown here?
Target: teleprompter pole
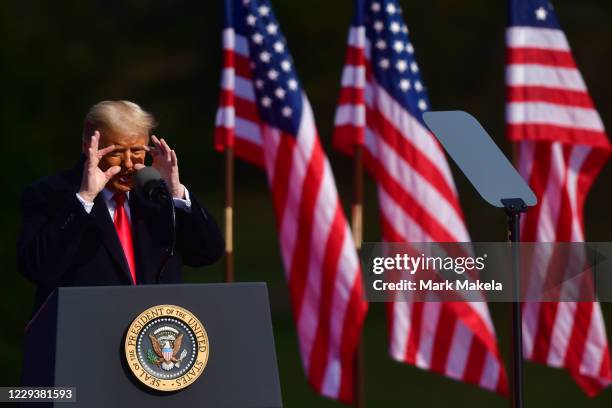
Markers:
(357, 227)
(229, 214)
(514, 207)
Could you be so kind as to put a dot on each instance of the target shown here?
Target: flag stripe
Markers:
(402, 150)
(532, 37)
(562, 116)
(540, 57)
(543, 75)
(550, 95)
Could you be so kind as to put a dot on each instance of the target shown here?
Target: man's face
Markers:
(129, 151)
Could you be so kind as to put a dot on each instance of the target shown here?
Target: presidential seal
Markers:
(166, 347)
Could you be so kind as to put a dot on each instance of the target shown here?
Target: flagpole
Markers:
(357, 227)
(229, 214)
(228, 141)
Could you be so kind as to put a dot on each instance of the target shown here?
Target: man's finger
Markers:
(92, 157)
(89, 165)
(152, 150)
(158, 148)
(111, 172)
(174, 160)
(106, 150)
(94, 141)
(87, 143)
(90, 139)
(139, 166)
(167, 150)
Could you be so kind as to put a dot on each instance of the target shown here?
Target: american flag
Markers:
(265, 115)
(562, 146)
(380, 108)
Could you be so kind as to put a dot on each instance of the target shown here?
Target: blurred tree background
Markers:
(58, 58)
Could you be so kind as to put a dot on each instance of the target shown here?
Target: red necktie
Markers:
(124, 231)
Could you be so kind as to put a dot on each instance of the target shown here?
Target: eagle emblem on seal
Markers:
(166, 342)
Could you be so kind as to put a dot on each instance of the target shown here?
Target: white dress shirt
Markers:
(107, 196)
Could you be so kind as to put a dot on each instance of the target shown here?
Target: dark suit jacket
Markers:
(62, 245)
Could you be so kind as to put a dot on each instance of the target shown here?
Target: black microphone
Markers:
(149, 183)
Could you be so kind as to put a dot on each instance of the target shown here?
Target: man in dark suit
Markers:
(87, 227)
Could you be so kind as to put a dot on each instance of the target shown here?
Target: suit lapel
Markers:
(110, 238)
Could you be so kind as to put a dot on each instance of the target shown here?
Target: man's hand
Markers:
(166, 162)
(94, 179)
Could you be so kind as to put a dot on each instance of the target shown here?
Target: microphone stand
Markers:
(162, 191)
